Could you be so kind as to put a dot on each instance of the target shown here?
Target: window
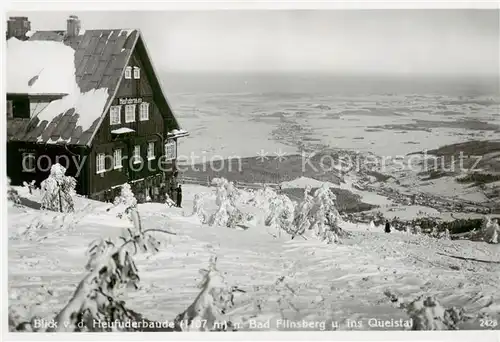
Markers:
(29, 162)
(137, 73)
(130, 113)
(114, 115)
(170, 150)
(151, 150)
(137, 154)
(100, 163)
(144, 111)
(117, 156)
(10, 111)
(128, 73)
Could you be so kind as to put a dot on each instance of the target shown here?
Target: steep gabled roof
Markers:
(100, 58)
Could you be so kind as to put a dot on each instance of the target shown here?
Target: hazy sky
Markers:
(360, 41)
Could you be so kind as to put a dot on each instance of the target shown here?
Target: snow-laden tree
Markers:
(198, 208)
(207, 312)
(280, 214)
(58, 190)
(227, 213)
(490, 230)
(124, 202)
(318, 214)
(301, 219)
(12, 194)
(111, 269)
(325, 216)
(126, 197)
(262, 198)
(225, 189)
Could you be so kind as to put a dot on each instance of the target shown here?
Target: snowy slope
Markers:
(321, 282)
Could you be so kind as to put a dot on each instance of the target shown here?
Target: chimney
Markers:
(73, 26)
(18, 27)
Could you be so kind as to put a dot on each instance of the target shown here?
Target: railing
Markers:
(240, 185)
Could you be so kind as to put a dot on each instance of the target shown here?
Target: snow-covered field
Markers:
(242, 124)
(322, 282)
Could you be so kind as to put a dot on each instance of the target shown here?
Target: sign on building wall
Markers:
(170, 150)
(126, 101)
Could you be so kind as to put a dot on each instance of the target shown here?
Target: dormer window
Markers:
(137, 73)
(128, 73)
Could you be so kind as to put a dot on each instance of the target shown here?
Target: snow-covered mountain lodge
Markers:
(90, 100)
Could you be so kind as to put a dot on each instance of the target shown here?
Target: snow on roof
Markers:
(89, 106)
(40, 67)
(122, 130)
(129, 31)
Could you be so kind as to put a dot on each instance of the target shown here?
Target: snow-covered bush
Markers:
(207, 312)
(227, 214)
(428, 314)
(198, 208)
(126, 198)
(416, 230)
(12, 194)
(262, 198)
(225, 189)
(490, 230)
(58, 190)
(445, 235)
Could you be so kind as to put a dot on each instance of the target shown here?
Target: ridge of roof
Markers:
(100, 58)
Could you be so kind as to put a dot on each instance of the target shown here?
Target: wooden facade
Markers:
(147, 178)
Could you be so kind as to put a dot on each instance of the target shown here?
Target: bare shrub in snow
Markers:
(429, 314)
(12, 194)
(208, 311)
(30, 186)
(58, 190)
(198, 208)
